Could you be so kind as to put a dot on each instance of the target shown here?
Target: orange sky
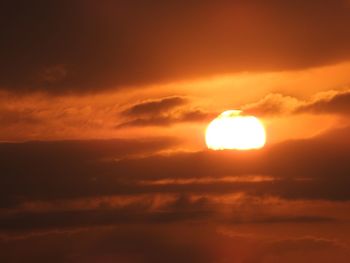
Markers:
(103, 110)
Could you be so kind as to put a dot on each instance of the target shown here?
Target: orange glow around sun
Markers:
(230, 130)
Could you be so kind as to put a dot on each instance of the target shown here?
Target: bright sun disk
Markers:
(231, 130)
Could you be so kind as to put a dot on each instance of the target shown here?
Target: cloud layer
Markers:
(112, 197)
(74, 46)
(163, 112)
(330, 102)
(296, 169)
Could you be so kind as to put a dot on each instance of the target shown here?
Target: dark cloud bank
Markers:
(74, 46)
(54, 170)
(58, 173)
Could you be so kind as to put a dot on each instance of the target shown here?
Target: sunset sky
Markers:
(103, 111)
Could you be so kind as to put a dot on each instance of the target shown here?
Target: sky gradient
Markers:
(103, 111)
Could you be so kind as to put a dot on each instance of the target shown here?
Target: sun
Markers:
(231, 130)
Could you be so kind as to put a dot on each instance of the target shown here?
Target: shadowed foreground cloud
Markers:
(112, 197)
(301, 169)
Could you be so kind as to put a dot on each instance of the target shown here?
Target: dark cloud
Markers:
(302, 169)
(169, 119)
(317, 157)
(128, 244)
(74, 46)
(66, 168)
(304, 243)
(272, 105)
(129, 215)
(282, 219)
(154, 107)
(336, 104)
(331, 102)
(153, 121)
(87, 150)
(174, 243)
(162, 112)
(180, 209)
(197, 115)
(303, 249)
(39, 221)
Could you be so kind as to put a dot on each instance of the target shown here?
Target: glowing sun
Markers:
(231, 130)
